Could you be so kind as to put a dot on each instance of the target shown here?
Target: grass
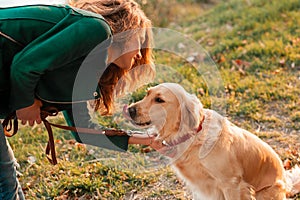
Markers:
(256, 47)
(255, 44)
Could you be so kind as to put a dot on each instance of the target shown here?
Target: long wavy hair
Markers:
(122, 16)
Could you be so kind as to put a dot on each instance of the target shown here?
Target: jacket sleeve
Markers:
(79, 116)
(54, 49)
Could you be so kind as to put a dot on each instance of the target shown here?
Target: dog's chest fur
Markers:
(192, 171)
(197, 177)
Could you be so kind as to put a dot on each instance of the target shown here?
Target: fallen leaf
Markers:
(287, 164)
(282, 61)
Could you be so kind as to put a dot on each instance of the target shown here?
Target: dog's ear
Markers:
(191, 111)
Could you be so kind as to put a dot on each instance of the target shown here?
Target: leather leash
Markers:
(10, 124)
(11, 39)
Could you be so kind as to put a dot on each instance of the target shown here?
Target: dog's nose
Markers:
(132, 112)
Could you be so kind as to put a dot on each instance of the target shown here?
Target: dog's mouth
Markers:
(142, 124)
(133, 121)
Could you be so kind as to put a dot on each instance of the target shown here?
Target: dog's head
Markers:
(169, 108)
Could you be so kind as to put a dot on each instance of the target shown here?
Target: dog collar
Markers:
(200, 124)
(184, 137)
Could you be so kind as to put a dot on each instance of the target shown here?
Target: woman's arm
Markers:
(140, 139)
(54, 49)
(79, 116)
(51, 51)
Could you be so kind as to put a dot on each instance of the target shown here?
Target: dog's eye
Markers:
(159, 100)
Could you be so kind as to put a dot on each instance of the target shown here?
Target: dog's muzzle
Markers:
(132, 115)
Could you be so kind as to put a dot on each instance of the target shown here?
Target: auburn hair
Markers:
(122, 16)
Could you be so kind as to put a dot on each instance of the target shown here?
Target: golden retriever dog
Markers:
(215, 158)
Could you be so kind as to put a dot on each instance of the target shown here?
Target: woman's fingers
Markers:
(38, 121)
(31, 122)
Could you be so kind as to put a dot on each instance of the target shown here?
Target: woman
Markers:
(43, 49)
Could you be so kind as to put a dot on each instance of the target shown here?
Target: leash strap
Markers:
(50, 148)
(11, 39)
(52, 111)
(10, 123)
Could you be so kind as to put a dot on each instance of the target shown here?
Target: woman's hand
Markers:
(148, 140)
(31, 113)
(156, 144)
(151, 141)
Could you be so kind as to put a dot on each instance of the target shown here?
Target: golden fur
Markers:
(221, 161)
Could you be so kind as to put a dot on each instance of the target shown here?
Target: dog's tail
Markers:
(293, 180)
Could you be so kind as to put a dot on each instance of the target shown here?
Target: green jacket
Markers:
(55, 40)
